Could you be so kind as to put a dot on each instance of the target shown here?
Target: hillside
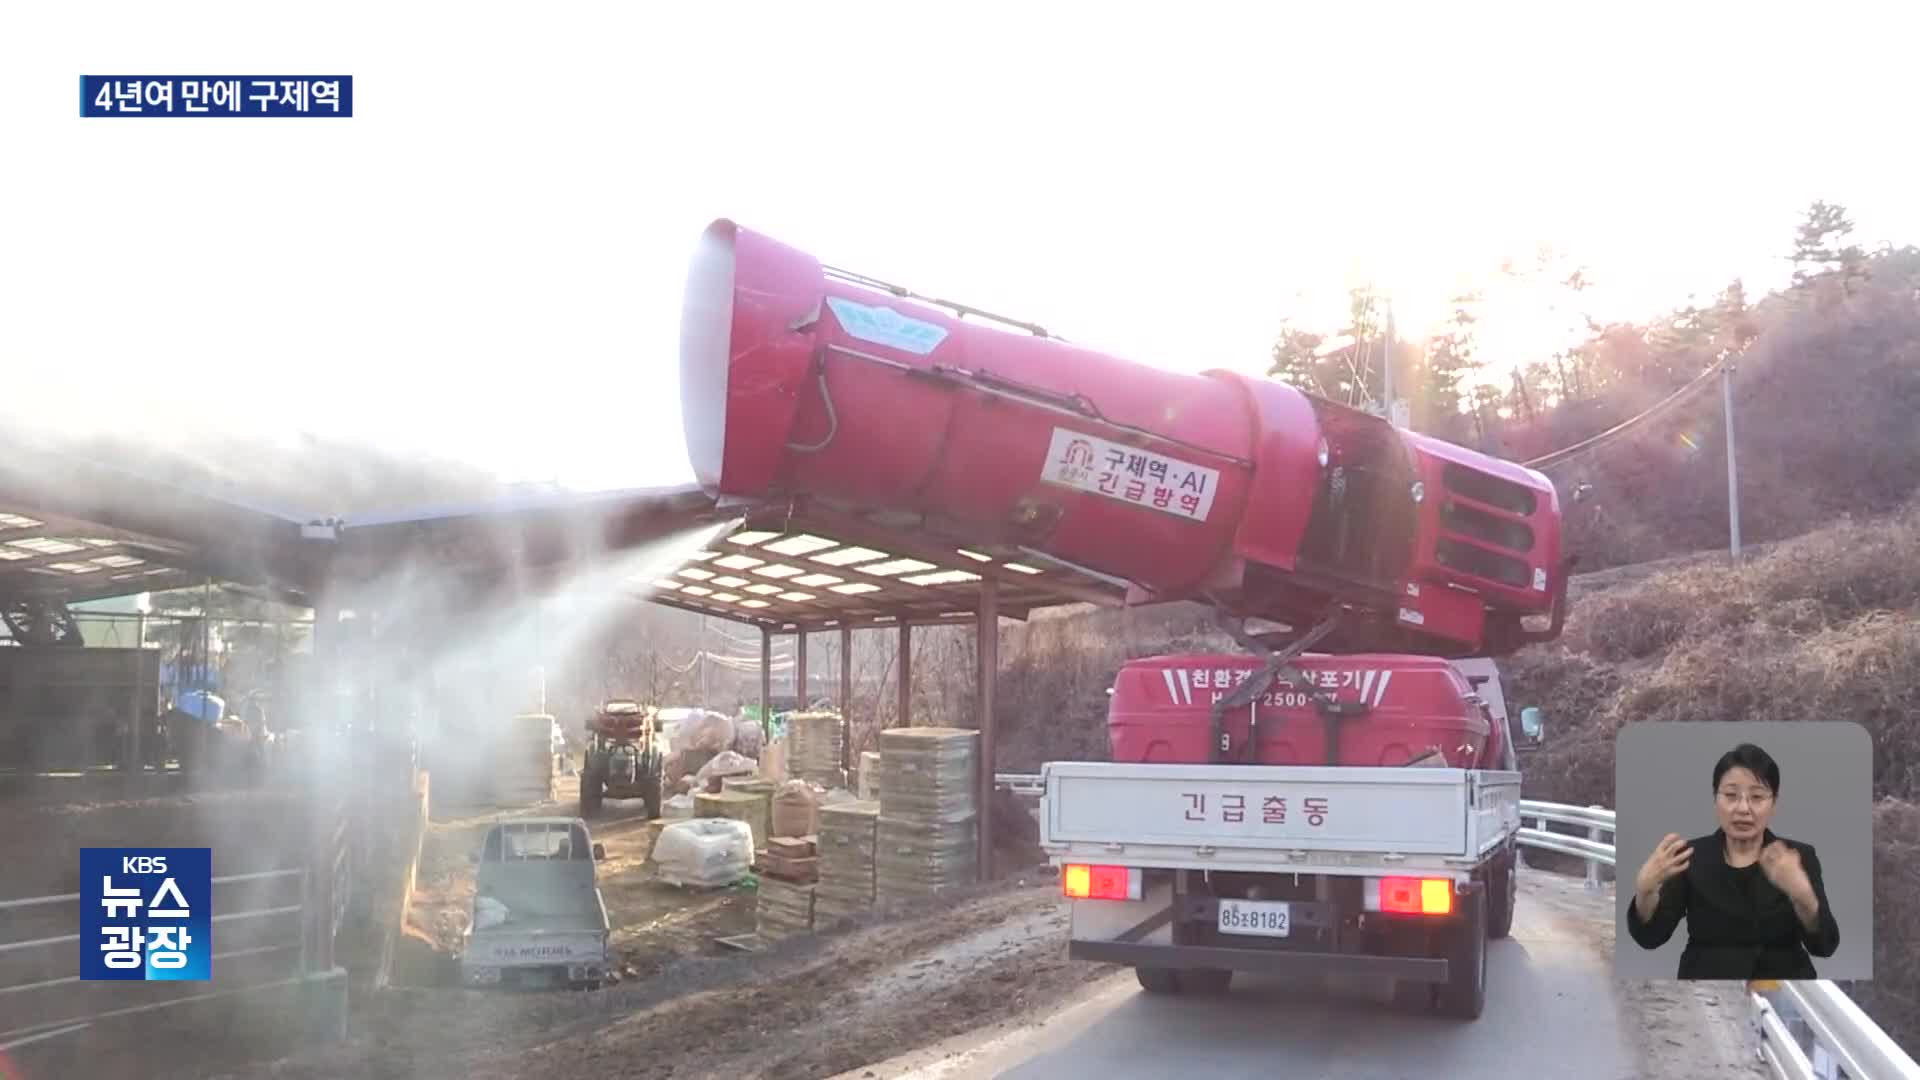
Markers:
(1824, 394)
(1827, 383)
(1813, 627)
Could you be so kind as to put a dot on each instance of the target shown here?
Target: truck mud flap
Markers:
(1133, 954)
(1149, 918)
(1146, 926)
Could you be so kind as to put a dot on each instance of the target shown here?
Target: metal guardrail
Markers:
(1596, 819)
(1805, 1030)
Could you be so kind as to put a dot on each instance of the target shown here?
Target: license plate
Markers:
(1261, 918)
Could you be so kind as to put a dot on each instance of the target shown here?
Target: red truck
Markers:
(1361, 818)
(1351, 808)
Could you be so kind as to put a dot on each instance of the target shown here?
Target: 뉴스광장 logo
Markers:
(144, 913)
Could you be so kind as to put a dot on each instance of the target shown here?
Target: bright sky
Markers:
(488, 258)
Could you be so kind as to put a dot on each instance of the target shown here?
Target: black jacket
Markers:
(1738, 925)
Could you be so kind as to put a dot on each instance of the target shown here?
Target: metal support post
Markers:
(1593, 865)
(801, 690)
(987, 651)
(1733, 472)
(906, 676)
(132, 755)
(846, 700)
(1386, 362)
(766, 683)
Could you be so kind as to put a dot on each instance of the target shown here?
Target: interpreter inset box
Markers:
(1745, 850)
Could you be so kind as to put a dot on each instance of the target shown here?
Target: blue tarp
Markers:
(203, 705)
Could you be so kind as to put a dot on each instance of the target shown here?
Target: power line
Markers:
(721, 632)
(1724, 368)
(682, 669)
(1594, 442)
(780, 662)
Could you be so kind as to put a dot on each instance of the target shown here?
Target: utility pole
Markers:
(1733, 474)
(1386, 363)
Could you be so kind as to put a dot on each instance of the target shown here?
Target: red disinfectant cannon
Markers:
(798, 380)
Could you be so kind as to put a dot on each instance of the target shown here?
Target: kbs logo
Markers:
(144, 914)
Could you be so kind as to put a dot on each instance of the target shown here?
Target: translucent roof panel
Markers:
(63, 560)
(810, 578)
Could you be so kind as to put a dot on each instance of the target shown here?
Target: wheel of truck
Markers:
(650, 795)
(591, 793)
(1158, 980)
(1205, 981)
(1503, 892)
(1464, 995)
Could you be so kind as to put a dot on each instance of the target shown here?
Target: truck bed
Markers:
(541, 938)
(556, 923)
(1307, 819)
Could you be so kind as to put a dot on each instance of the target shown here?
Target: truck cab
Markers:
(1519, 733)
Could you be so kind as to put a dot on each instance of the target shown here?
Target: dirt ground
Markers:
(654, 923)
(817, 1007)
(685, 1005)
(810, 1007)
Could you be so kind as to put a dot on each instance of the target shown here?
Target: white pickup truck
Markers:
(1191, 872)
(538, 916)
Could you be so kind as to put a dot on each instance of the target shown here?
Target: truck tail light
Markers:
(1415, 896)
(1081, 882)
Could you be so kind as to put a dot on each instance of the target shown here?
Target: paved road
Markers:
(1553, 1010)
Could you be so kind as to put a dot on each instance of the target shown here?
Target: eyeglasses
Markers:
(1754, 798)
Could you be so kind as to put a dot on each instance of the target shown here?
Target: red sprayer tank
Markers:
(1408, 706)
(621, 720)
(802, 382)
